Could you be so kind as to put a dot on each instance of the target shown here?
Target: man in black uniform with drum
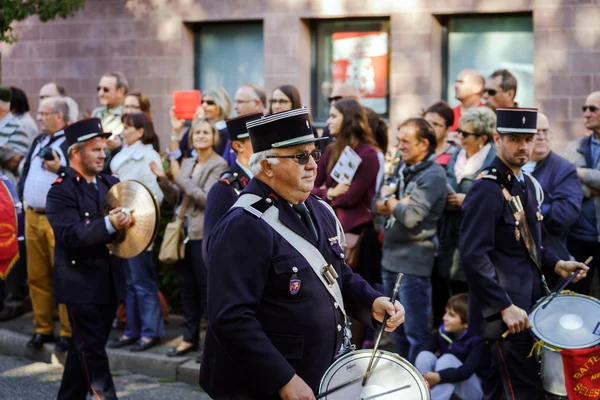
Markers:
(225, 193)
(503, 259)
(276, 320)
(87, 278)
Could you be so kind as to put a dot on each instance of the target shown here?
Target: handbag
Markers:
(172, 248)
(352, 248)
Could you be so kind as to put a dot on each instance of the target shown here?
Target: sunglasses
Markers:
(491, 92)
(209, 102)
(303, 158)
(467, 134)
(591, 108)
(103, 88)
(335, 98)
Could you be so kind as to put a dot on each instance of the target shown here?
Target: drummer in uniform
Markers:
(225, 193)
(504, 261)
(87, 277)
(275, 324)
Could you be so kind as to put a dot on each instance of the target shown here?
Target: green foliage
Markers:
(18, 10)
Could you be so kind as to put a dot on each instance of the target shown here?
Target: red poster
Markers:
(361, 58)
(9, 245)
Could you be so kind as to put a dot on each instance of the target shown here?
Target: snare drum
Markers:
(567, 323)
(389, 373)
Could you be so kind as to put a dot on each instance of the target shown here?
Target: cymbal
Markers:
(136, 198)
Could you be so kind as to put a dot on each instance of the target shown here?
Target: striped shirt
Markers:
(12, 133)
(111, 119)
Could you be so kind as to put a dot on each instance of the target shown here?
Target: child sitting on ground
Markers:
(459, 356)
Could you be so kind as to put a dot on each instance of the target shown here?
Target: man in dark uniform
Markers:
(87, 278)
(273, 324)
(225, 193)
(498, 257)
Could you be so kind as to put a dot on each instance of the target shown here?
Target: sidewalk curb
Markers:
(182, 369)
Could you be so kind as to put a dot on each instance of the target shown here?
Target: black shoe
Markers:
(38, 340)
(118, 324)
(62, 344)
(142, 345)
(199, 357)
(121, 342)
(178, 353)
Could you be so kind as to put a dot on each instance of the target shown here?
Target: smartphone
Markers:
(186, 103)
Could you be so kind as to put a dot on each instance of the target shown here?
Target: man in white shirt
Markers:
(46, 161)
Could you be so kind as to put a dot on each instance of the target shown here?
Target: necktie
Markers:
(95, 185)
(305, 216)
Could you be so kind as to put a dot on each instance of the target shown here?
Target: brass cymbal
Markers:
(136, 198)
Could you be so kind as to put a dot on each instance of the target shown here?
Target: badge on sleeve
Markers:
(295, 283)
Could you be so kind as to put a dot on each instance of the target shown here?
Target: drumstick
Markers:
(386, 393)
(556, 292)
(385, 318)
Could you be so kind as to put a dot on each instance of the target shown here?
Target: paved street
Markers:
(22, 379)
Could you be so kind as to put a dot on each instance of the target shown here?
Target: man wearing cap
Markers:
(87, 277)
(11, 132)
(225, 193)
(503, 260)
(275, 322)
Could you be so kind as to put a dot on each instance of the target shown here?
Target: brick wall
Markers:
(153, 46)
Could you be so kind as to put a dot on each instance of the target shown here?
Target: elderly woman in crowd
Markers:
(351, 200)
(192, 182)
(145, 324)
(475, 129)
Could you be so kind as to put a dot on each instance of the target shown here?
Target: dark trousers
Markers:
(581, 251)
(13, 290)
(513, 373)
(86, 368)
(192, 279)
(440, 293)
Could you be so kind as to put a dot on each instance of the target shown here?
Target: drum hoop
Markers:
(541, 302)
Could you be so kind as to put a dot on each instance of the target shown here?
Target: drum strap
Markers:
(519, 213)
(303, 246)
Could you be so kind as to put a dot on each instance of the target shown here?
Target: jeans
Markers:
(144, 316)
(469, 389)
(415, 296)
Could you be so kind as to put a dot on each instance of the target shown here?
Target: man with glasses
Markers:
(52, 89)
(562, 192)
(46, 161)
(273, 326)
(250, 99)
(111, 90)
(584, 153)
(500, 90)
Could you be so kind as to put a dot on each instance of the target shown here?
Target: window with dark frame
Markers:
(356, 51)
(229, 55)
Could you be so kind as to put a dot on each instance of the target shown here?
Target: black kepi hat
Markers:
(516, 120)
(284, 129)
(83, 130)
(236, 127)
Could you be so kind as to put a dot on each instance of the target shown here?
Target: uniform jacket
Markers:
(132, 163)
(562, 201)
(259, 334)
(497, 266)
(221, 197)
(84, 271)
(579, 153)
(353, 208)
(196, 187)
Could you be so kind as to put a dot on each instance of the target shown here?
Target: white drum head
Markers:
(571, 321)
(390, 372)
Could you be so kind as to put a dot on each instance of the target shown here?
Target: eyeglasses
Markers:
(544, 132)
(236, 101)
(467, 134)
(279, 101)
(591, 108)
(45, 114)
(335, 98)
(303, 158)
(132, 107)
(491, 92)
(209, 102)
(103, 88)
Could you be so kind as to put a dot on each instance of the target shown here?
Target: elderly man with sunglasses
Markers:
(584, 153)
(276, 320)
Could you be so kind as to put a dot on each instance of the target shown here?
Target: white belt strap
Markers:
(304, 247)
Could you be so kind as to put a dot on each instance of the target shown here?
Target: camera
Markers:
(46, 154)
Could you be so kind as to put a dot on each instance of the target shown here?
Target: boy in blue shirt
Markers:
(450, 359)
